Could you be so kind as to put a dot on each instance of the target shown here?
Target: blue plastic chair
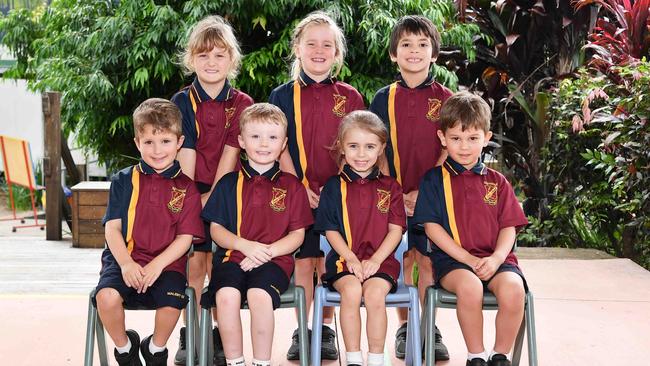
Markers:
(404, 297)
(440, 298)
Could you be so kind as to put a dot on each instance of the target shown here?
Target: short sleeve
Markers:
(357, 101)
(328, 214)
(216, 208)
(397, 213)
(190, 222)
(118, 198)
(181, 100)
(243, 102)
(510, 211)
(428, 207)
(301, 216)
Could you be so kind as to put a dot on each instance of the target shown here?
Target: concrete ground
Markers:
(591, 309)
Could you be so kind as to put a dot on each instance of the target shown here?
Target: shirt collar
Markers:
(351, 176)
(272, 174)
(169, 173)
(456, 168)
(427, 82)
(225, 94)
(305, 80)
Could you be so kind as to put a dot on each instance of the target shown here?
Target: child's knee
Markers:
(108, 298)
(305, 266)
(258, 297)
(511, 298)
(228, 299)
(470, 292)
(351, 292)
(374, 297)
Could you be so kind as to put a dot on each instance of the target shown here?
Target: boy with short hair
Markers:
(409, 107)
(258, 218)
(152, 215)
(471, 214)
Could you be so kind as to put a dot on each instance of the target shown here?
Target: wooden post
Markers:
(52, 164)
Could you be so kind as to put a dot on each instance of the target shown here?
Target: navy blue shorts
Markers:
(443, 264)
(168, 290)
(206, 246)
(417, 238)
(268, 277)
(328, 280)
(310, 247)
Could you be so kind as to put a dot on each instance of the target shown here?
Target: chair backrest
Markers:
(325, 247)
(17, 160)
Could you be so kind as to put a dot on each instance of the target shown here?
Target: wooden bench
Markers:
(88, 207)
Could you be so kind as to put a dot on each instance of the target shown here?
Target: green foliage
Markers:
(108, 56)
(598, 162)
(22, 200)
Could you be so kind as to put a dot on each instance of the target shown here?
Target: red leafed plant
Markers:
(622, 39)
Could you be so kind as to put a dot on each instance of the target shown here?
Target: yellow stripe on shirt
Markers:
(449, 202)
(194, 108)
(392, 121)
(346, 223)
(301, 143)
(135, 193)
(240, 189)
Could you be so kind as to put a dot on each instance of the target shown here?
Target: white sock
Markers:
(352, 358)
(125, 348)
(375, 359)
(236, 362)
(482, 355)
(261, 363)
(155, 349)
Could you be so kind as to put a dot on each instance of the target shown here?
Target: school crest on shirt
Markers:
(230, 112)
(278, 196)
(175, 204)
(339, 105)
(383, 200)
(433, 113)
(491, 194)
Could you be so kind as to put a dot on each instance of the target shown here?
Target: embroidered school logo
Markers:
(277, 199)
(175, 204)
(491, 194)
(383, 200)
(230, 112)
(434, 109)
(339, 105)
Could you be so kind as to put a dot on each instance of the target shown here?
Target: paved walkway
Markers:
(589, 312)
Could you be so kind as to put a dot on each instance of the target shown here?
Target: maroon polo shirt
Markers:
(210, 124)
(272, 205)
(417, 122)
(472, 205)
(154, 209)
(371, 204)
(322, 105)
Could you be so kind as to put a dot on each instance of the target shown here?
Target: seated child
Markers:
(258, 218)
(471, 214)
(153, 212)
(362, 215)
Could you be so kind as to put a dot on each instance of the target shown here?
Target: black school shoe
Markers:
(155, 359)
(441, 352)
(476, 362)
(293, 354)
(499, 359)
(328, 349)
(131, 358)
(181, 354)
(219, 358)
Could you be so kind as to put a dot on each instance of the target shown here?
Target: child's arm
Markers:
(259, 253)
(175, 250)
(341, 248)
(391, 241)
(132, 272)
(286, 164)
(446, 243)
(409, 201)
(227, 164)
(187, 159)
(487, 266)
(287, 245)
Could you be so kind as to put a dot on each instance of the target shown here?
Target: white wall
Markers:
(21, 116)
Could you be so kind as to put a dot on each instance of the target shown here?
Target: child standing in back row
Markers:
(362, 215)
(314, 103)
(410, 109)
(211, 109)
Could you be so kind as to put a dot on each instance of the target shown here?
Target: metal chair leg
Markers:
(205, 340)
(317, 325)
(101, 343)
(90, 331)
(302, 325)
(190, 331)
(530, 326)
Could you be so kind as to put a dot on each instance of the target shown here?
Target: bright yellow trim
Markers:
(194, 108)
(449, 202)
(240, 190)
(135, 193)
(298, 120)
(346, 223)
(392, 121)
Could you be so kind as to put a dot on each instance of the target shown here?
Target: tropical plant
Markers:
(108, 56)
